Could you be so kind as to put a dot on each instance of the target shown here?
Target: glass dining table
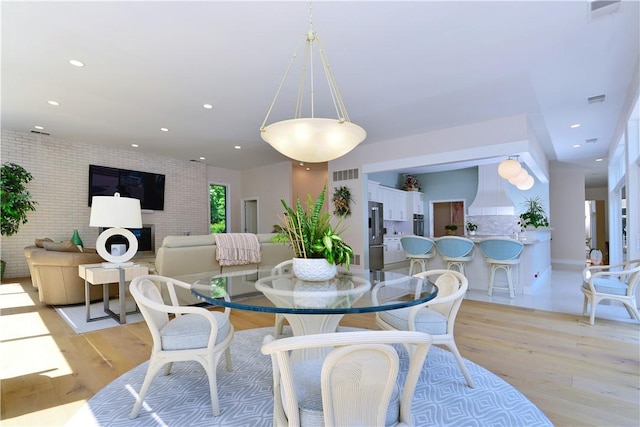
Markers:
(312, 307)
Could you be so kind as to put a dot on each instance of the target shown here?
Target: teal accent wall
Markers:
(461, 184)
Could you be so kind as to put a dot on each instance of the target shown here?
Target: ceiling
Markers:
(403, 68)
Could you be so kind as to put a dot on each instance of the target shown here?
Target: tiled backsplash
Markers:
(495, 224)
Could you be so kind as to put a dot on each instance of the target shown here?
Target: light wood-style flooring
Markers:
(577, 374)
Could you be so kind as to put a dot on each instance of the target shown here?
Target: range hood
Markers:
(491, 198)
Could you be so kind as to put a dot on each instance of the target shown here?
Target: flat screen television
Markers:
(146, 186)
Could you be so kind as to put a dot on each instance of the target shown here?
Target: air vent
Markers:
(591, 140)
(599, 8)
(345, 175)
(40, 133)
(597, 98)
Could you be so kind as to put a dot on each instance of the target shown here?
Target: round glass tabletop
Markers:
(353, 291)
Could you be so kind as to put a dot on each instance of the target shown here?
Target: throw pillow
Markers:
(40, 242)
(61, 246)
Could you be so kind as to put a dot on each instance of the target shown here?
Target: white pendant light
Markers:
(509, 168)
(312, 139)
(520, 177)
(526, 184)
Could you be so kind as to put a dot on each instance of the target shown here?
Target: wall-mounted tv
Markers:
(145, 186)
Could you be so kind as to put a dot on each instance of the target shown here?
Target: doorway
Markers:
(250, 216)
(446, 218)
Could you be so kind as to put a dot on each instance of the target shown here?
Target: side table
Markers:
(96, 274)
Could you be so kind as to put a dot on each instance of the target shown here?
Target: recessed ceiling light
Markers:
(135, 145)
(599, 160)
(301, 164)
(207, 106)
(76, 63)
(39, 127)
(308, 169)
(202, 158)
(576, 146)
(164, 129)
(237, 147)
(575, 125)
(56, 103)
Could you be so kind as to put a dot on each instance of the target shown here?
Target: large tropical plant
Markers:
(16, 199)
(309, 231)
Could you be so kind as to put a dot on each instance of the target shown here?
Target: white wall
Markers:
(268, 184)
(566, 195)
(60, 186)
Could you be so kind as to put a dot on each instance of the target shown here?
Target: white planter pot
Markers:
(313, 269)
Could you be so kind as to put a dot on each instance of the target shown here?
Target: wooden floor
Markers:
(577, 374)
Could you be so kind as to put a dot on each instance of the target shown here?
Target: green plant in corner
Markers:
(309, 231)
(451, 227)
(16, 199)
(534, 215)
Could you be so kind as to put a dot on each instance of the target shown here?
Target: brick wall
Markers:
(60, 186)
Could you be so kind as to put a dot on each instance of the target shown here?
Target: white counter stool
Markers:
(419, 250)
(501, 253)
(456, 251)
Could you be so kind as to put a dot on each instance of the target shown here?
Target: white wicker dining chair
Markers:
(354, 385)
(436, 317)
(194, 334)
(616, 282)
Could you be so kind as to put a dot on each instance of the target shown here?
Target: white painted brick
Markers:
(60, 186)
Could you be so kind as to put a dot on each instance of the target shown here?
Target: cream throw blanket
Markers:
(237, 249)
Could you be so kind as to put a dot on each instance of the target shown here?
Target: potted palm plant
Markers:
(16, 200)
(314, 238)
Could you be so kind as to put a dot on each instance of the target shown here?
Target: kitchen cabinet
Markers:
(393, 250)
(415, 203)
(394, 203)
(372, 191)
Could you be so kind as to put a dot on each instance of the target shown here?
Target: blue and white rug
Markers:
(182, 398)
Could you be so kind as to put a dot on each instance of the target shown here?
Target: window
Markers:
(218, 208)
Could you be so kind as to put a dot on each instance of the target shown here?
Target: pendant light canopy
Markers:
(312, 139)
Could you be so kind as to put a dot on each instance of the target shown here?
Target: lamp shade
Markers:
(509, 168)
(115, 211)
(313, 140)
(520, 177)
(526, 184)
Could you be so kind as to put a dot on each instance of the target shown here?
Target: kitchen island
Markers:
(533, 271)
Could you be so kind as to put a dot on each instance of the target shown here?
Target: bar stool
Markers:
(501, 253)
(456, 251)
(419, 250)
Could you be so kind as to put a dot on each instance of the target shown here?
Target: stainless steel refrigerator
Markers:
(376, 232)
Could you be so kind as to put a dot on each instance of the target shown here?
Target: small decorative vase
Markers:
(472, 232)
(76, 240)
(595, 256)
(313, 269)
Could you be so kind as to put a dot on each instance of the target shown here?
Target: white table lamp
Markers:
(116, 212)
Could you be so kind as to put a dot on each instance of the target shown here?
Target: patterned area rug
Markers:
(182, 398)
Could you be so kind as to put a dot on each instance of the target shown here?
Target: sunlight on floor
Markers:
(13, 296)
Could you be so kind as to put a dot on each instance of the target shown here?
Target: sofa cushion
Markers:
(61, 246)
(40, 242)
(189, 241)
